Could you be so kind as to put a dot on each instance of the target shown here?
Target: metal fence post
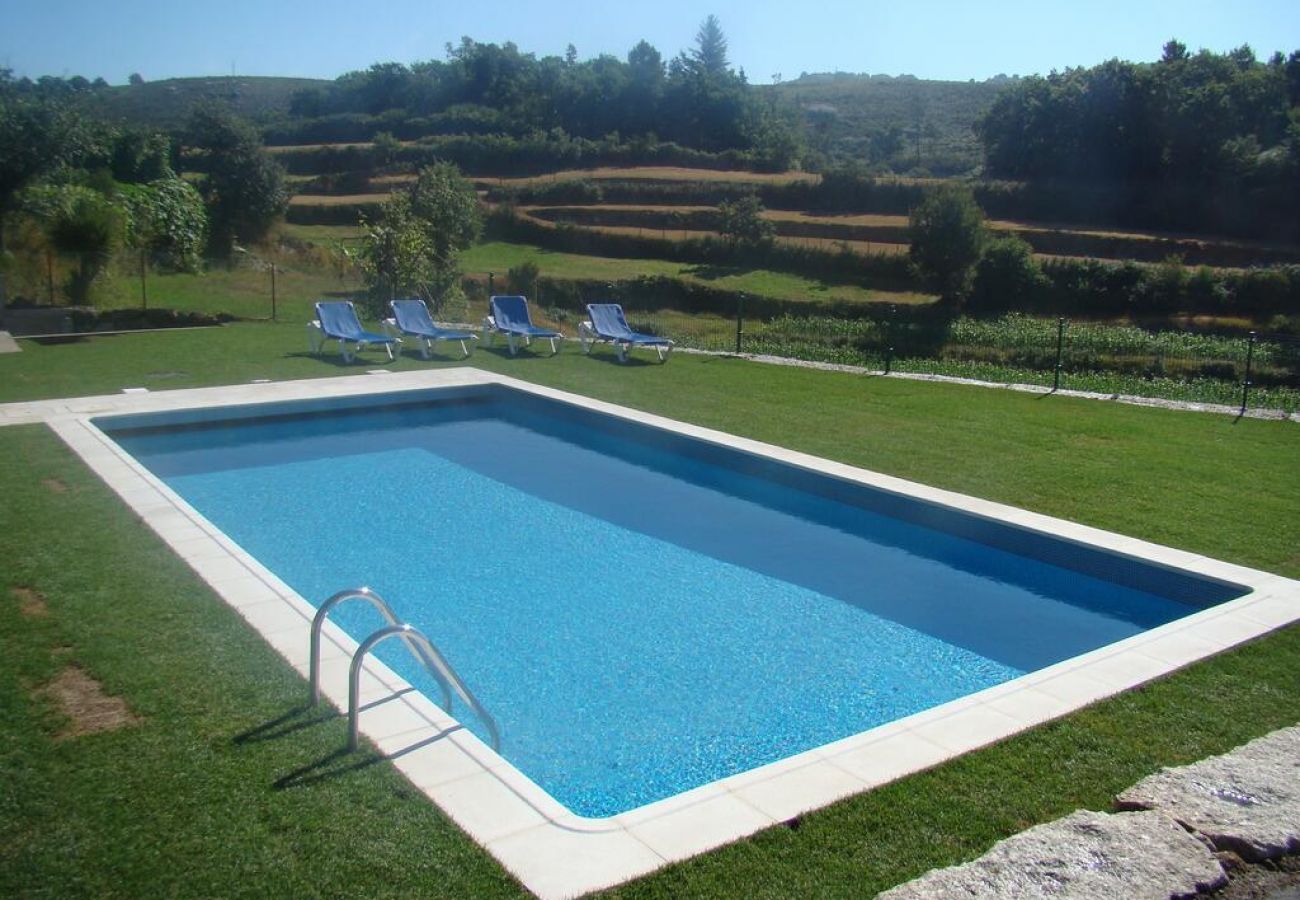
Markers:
(273, 316)
(144, 293)
(1245, 384)
(889, 337)
(1060, 347)
(740, 319)
(491, 278)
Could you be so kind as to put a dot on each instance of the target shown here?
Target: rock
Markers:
(1246, 801)
(1084, 855)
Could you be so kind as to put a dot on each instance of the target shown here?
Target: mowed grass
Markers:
(499, 257)
(243, 291)
(655, 173)
(228, 785)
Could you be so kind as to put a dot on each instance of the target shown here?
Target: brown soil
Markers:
(55, 486)
(88, 709)
(31, 603)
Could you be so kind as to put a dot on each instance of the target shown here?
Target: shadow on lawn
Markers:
(332, 765)
(706, 272)
(335, 359)
(297, 719)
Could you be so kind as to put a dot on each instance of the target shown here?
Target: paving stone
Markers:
(1246, 801)
(1084, 855)
(8, 344)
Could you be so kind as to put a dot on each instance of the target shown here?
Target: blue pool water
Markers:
(641, 613)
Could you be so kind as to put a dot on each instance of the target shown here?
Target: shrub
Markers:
(948, 237)
(523, 278)
(1007, 277)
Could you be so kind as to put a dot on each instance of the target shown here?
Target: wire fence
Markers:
(1252, 370)
(1255, 370)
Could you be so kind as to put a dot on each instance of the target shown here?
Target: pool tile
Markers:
(437, 761)
(1030, 706)
(1076, 688)
(555, 863)
(704, 825)
(1179, 648)
(1128, 668)
(796, 791)
(969, 728)
(272, 616)
(486, 807)
(888, 759)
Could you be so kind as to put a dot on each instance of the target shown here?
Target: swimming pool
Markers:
(642, 612)
(552, 850)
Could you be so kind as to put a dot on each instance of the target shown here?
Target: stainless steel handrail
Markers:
(365, 593)
(411, 636)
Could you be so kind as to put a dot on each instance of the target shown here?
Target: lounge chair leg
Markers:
(510, 341)
(622, 352)
(464, 353)
(425, 348)
(343, 348)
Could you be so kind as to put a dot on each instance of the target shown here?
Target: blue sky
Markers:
(949, 39)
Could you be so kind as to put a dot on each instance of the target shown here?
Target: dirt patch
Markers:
(89, 710)
(54, 485)
(31, 602)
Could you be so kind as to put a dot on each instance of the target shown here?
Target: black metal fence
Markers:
(1255, 370)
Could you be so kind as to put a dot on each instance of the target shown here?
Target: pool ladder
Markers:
(421, 648)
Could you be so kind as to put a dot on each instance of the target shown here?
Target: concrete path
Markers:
(8, 344)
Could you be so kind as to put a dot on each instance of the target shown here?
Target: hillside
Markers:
(847, 118)
(876, 119)
(165, 104)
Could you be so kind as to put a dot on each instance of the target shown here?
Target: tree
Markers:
(947, 236)
(1007, 276)
(412, 247)
(743, 225)
(710, 52)
(1174, 51)
(135, 78)
(79, 223)
(168, 220)
(242, 185)
(38, 135)
(447, 209)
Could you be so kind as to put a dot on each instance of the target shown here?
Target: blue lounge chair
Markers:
(411, 317)
(607, 323)
(337, 320)
(509, 316)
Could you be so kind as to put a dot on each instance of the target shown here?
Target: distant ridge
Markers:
(166, 104)
(846, 113)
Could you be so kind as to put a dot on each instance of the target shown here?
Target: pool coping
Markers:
(553, 852)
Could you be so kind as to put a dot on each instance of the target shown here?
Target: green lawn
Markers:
(228, 786)
(244, 292)
(499, 257)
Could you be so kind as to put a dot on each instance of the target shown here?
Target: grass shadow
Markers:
(708, 272)
(296, 719)
(336, 359)
(610, 358)
(330, 766)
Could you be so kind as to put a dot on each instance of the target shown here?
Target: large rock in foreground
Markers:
(1084, 855)
(1246, 801)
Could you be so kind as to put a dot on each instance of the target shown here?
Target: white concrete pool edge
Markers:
(553, 852)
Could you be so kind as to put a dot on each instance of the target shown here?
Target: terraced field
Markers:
(864, 232)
